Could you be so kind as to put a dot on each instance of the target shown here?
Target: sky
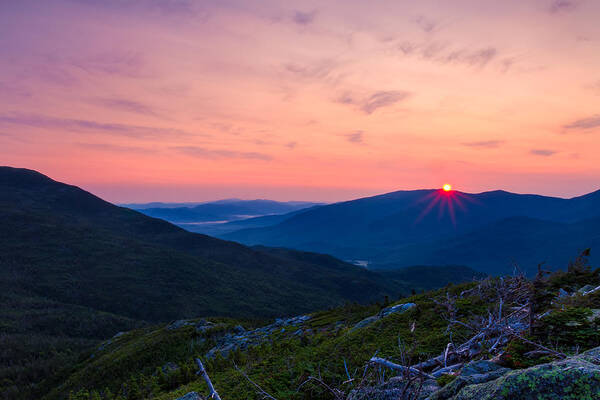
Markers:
(184, 100)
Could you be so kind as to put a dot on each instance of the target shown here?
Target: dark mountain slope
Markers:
(495, 248)
(70, 246)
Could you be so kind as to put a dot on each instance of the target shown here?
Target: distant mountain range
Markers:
(217, 212)
(491, 231)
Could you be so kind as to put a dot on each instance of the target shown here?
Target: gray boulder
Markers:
(475, 372)
(481, 367)
(398, 308)
(180, 323)
(365, 322)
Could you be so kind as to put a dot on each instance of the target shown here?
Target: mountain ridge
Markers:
(370, 227)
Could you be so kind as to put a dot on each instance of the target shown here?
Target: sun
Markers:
(447, 187)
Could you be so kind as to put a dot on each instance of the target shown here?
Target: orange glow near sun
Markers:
(447, 187)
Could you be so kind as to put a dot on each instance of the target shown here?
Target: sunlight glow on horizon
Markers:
(318, 100)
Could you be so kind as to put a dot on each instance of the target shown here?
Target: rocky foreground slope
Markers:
(498, 338)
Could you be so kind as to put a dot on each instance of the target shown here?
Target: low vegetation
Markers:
(327, 356)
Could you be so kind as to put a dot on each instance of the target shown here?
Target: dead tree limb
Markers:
(211, 389)
(388, 364)
(262, 391)
(539, 346)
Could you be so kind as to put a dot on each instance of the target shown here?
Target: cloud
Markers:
(126, 105)
(211, 154)
(318, 71)
(291, 145)
(594, 87)
(383, 99)
(374, 101)
(558, 6)
(584, 123)
(127, 64)
(115, 148)
(480, 57)
(304, 18)
(355, 137)
(12, 137)
(15, 90)
(441, 53)
(484, 143)
(542, 152)
(163, 7)
(87, 126)
(427, 25)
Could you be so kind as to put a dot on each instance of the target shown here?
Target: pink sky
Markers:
(315, 100)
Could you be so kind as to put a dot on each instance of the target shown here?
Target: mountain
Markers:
(222, 228)
(500, 246)
(70, 246)
(158, 204)
(75, 269)
(219, 211)
(414, 227)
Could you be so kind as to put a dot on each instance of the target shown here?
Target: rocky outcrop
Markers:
(240, 338)
(475, 372)
(398, 308)
(180, 323)
(576, 377)
(573, 378)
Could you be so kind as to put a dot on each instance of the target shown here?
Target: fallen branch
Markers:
(338, 394)
(391, 365)
(539, 346)
(442, 371)
(262, 391)
(211, 389)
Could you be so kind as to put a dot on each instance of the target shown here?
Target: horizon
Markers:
(323, 101)
(198, 201)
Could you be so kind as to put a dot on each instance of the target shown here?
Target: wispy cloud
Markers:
(162, 7)
(584, 123)
(542, 152)
(594, 87)
(127, 64)
(442, 53)
(355, 137)
(87, 126)
(211, 154)
(319, 70)
(291, 145)
(427, 25)
(484, 143)
(558, 6)
(113, 148)
(125, 105)
(304, 18)
(14, 90)
(374, 101)
(14, 138)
